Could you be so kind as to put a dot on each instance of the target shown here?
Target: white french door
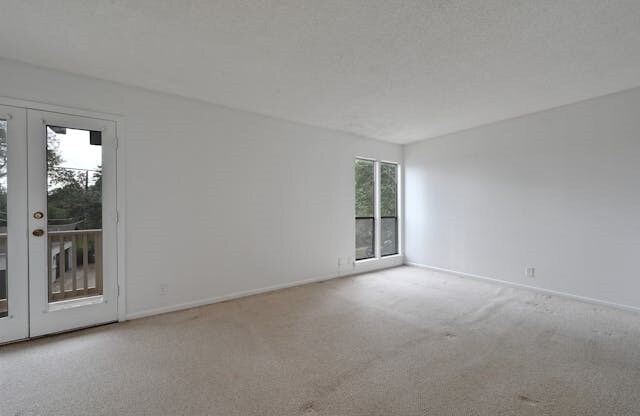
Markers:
(14, 284)
(61, 223)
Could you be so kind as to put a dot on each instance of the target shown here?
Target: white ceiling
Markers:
(398, 70)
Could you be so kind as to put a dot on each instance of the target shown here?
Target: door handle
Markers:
(38, 232)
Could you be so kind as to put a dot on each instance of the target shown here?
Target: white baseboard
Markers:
(216, 299)
(532, 288)
(236, 295)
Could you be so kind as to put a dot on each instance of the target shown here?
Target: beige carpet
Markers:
(399, 342)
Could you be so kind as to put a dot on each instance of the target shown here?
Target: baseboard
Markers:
(223, 298)
(531, 288)
(242, 294)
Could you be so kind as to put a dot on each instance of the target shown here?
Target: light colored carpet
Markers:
(403, 341)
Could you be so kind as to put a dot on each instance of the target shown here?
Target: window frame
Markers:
(377, 232)
(374, 238)
(397, 216)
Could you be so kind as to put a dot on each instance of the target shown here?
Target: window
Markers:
(4, 283)
(365, 209)
(388, 209)
(376, 209)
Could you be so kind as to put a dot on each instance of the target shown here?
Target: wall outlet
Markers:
(530, 272)
(346, 262)
(163, 290)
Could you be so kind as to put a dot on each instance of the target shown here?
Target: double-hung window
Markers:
(376, 199)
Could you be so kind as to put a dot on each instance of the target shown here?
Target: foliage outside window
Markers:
(370, 223)
(388, 209)
(365, 208)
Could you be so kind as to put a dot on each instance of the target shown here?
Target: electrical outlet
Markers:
(530, 272)
(164, 289)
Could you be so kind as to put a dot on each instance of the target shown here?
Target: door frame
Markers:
(47, 317)
(120, 182)
(15, 325)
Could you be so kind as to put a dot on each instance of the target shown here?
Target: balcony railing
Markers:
(75, 264)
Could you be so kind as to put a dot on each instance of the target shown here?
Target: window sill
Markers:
(367, 260)
(371, 265)
(376, 259)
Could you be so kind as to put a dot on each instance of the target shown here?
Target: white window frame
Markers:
(377, 213)
(398, 210)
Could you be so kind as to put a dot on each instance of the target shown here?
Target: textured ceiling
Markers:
(398, 71)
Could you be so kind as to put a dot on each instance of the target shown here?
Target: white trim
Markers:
(245, 293)
(368, 260)
(119, 121)
(121, 226)
(390, 256)
(377, 217)
(377, 222)
(370, 159)
(531, 288)
(74, 303)
(378, 259)
(72, 111)
(217, 299)
(381, 263)
(400, 207)
(15, 325)
(44, 318)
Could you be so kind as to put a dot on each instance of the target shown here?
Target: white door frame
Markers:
(45, 317)
(120, 183)
(16, 324)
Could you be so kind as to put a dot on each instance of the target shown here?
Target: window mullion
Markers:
(378, 221)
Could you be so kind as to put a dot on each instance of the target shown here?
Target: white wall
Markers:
(218, 201)
(557, 190)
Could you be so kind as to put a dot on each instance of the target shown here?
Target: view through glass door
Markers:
(74, 213)
(72, 219)
(59, 223)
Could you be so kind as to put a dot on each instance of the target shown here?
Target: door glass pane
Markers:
(365, 208)
(4, 282)
(74, 213)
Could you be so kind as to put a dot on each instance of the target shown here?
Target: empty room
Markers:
(319, 207)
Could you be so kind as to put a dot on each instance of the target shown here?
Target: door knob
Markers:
(38, 215)
(39, 232)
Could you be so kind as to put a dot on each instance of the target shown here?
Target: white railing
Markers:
(75, 264)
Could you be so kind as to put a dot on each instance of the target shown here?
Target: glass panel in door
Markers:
(74, 213)
(72, 222)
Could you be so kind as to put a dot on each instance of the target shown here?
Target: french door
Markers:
(58, 230)
(14, 283)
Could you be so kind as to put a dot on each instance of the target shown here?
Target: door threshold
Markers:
(74, 303)
(68, 331)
